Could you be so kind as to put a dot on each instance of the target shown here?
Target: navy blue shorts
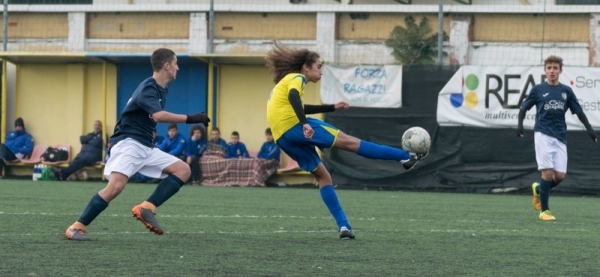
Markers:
(301, 149)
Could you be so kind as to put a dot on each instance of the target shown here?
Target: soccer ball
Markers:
(417, 140)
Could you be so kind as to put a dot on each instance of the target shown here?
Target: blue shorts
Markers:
(301, 149)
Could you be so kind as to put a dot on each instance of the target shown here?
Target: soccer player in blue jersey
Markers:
(552, 100)
(132, 149)
(298, 135)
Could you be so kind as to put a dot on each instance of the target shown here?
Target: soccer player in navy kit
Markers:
(132, 149)
(552, 100)
(298, 135)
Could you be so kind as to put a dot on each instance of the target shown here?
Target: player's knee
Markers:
(113, 189)
(322, 175)
(547, 174)
(182, 171)
(346, 142)
(558, 178)
(116, 190)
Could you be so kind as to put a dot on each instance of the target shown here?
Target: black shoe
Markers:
(345, 233)
(57, 174)
(412, 161)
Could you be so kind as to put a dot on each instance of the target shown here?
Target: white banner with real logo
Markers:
(363, 86)
(489, 96)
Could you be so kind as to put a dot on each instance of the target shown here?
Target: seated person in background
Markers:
(235, 148)
(269, 150)
(92, 145)
(196, 145)
(174, 144)
(215, 137)
(18, 144)
(107, 154)
(156, 139)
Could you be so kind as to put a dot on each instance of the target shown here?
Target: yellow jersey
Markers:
(280, 114)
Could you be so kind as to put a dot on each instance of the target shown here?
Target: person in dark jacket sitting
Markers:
(92, 146)
(18, 145)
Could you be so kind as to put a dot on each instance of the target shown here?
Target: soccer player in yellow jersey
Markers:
(298, 136)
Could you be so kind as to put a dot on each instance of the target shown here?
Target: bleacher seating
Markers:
(34, 158)
(292, 166)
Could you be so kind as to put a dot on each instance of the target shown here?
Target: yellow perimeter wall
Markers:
(242, 102)
(59, 102)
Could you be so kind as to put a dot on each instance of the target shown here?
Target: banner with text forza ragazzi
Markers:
(363, 86)
(490, 96)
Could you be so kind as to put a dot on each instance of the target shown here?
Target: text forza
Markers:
(370, 73)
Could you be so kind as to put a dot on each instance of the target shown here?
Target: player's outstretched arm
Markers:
(313, 109)
(583, 118)
(167, 117)
(197, 118)
(522, 113)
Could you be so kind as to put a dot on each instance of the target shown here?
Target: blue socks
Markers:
(382, 152)
(544, 189)
(93, 209)
(331, 201)
(165, 189)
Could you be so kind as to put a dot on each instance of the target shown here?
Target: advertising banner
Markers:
(363, 86)
(489, 96)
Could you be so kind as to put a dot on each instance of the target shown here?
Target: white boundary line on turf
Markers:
(472, 232)
(286, 217)
(250, 216)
